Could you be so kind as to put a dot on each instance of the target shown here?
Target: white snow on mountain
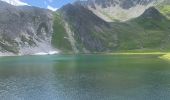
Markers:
(20, 3)
(15, 2)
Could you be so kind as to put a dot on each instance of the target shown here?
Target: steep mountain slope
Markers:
(24, 29)
(122, 10)
(150, 31)
(85, 31)
(60, 38)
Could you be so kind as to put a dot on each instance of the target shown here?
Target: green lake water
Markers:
(85, 77)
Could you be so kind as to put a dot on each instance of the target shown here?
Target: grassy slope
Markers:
(143, 34)
(58, 39)
(165, 56)
(138, 35)
(165, 10)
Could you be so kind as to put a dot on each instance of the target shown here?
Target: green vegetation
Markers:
(165, 56)
(59, 38)
(9, 48)
(149, 31)
(9, 45)
(165, 10)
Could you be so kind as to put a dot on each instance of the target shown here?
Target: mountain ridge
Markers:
(75, 28)
(122, 10)
(115, 37)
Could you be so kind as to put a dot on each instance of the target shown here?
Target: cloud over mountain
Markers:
(51, 8)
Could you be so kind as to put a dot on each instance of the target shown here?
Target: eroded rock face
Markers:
(125, 4)
(23, 27)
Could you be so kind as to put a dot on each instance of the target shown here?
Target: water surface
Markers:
(85, 77)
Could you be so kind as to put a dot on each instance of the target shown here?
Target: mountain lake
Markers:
(85, 77)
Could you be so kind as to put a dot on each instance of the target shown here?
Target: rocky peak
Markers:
(152, 13)
(85, 26)
(122, 10)
(125, 4)
(80, 12)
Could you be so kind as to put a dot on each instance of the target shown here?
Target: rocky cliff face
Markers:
(125, 4)
(122, 10)
(23, 29)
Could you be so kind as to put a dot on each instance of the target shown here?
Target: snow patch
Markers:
(42, 48)
(6, 54)
(47, 53)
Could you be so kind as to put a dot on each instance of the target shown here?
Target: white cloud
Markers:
(51, 8)
(15, 2)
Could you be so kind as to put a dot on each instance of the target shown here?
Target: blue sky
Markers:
(45, 3)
